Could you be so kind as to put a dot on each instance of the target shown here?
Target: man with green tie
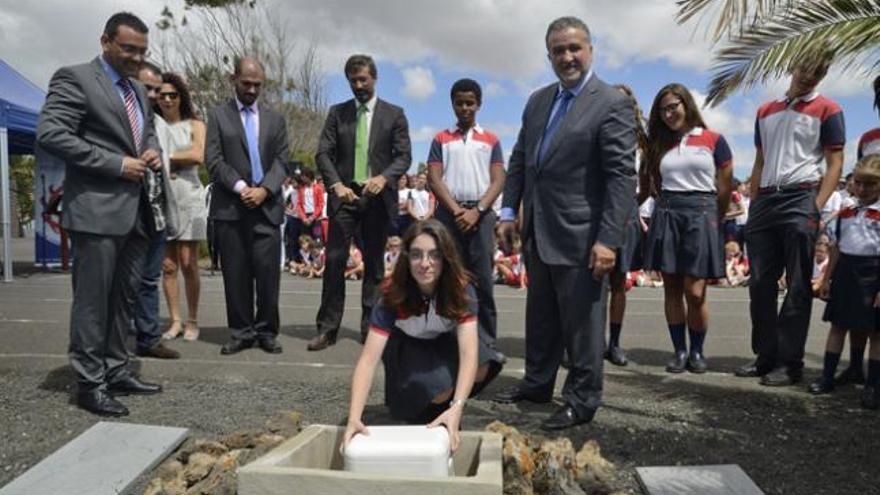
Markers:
(363, 150)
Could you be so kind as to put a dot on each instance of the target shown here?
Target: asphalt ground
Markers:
(787, 440)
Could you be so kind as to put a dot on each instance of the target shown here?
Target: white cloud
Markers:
(494, 89)
(499, 37)
(418, 83)
(723, 119)
(424, 134)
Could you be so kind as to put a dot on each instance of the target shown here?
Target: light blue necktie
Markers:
(250, 130)
(566, 97)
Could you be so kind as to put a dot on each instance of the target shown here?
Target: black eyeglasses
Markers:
(170, 95)
(670, 108)
(434, 256)
(132, 49)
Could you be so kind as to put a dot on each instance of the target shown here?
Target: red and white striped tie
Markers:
(132, 111)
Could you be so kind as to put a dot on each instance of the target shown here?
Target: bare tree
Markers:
(204, 41)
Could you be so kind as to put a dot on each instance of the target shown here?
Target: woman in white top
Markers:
(691, 167)
(184, 141)
(424, 329)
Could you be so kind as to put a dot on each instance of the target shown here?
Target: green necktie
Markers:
(360, 146)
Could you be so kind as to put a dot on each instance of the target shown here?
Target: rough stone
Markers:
(556, 471)
(198, 467)
(534, 464)
(596, 472)
(286, 424)
(241, 439)
(170, 470)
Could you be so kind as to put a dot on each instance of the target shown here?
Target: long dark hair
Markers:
(187, 110)
(402, 292)
(661, 137)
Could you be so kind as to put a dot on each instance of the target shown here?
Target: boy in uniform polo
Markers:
(793, 136)
(466, 173)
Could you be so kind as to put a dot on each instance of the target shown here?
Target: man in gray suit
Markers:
(572, 170)
(96, 119)
(246, 153)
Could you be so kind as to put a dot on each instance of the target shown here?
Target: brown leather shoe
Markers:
(159, 352)
(321, 342)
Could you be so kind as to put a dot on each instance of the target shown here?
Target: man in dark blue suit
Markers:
(572, 169)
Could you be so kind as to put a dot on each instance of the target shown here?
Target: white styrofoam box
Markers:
(400, 451)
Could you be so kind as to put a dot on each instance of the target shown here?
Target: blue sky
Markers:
(423, 46)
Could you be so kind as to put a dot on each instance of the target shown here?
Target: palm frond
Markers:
(731, 17)
(848, 28)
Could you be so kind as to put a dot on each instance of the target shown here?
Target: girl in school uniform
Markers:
(425, 331)
(691, 167)
(852, 281)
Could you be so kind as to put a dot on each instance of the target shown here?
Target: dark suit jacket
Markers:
(226, 153)
(585, 187)
(84, 123)
(390, 152)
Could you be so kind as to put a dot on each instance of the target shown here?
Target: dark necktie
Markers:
(565, 100)
(131, 110)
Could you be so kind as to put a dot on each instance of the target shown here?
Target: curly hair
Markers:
(401, 290)
(187, 110)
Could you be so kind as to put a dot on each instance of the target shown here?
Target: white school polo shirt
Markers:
(690, 165)
(466, 160)
(857, 230)
(793, 135)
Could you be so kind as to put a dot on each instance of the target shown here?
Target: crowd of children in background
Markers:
(304, 254)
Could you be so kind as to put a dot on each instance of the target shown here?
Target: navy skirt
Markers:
(854, 284)
(630, 256)
(684, 237)
(417, 370)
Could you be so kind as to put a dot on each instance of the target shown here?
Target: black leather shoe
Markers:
(516, 394)
(821, 386)
(321, 342)
(678, 363)
(270, 345)
(871, 398)
(616, 356)
(133, 386)
(565, 417)
(101, 403)
(159, 352)
(753, 370)
(697, 363)
(850, 375)
(782, 376)
(235, 346)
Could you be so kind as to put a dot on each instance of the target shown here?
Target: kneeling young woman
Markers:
(425, 331)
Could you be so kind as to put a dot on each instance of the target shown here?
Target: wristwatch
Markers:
(458, 402)
(480, 208)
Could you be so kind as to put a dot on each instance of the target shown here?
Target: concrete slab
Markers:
(311, 463)
(103, 460)
(725, 479)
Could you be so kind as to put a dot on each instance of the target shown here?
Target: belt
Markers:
(468, 204)
(800, 186)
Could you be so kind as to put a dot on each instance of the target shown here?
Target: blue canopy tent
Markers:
(20, 103)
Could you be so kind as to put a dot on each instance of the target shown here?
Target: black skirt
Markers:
(417, 370)
(684, 237)
(854, 284)
(630, 255)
